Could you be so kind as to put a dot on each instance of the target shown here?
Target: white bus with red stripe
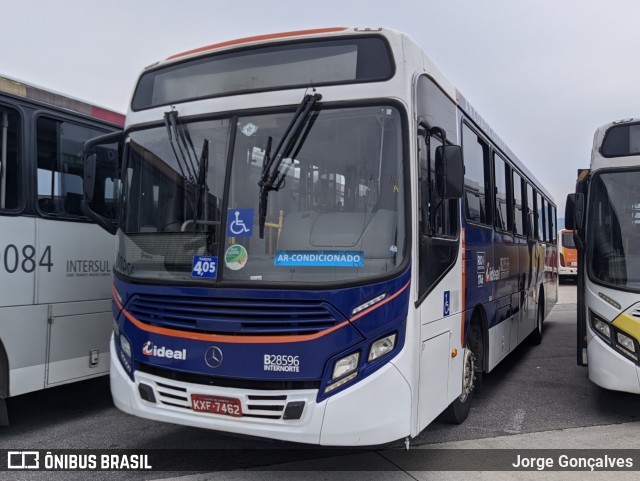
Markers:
(55, 264)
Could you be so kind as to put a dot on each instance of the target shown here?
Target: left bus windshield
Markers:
(613, 236)
(337, 216)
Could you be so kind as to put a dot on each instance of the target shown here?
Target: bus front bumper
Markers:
(610, 369)
(349, 418)
(567, 271)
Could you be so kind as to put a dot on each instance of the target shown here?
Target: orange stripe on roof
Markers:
(199, 336)
(258, 38)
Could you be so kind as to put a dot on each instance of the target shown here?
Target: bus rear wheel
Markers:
(535, 337)
(458, 410)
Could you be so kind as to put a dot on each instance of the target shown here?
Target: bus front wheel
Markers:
(458, 410)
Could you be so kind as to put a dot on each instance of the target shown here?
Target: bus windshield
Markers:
(338, 214)
(613, 236)
(567, 240)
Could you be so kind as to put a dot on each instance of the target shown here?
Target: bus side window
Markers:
(10, 174)
(503, 217)
(530, 216)
(517, 204)
(552, 224)
(59, 145)
(476, 178)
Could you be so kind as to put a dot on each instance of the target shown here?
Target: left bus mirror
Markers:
(102, 157)
(449, 171)
(574, 212)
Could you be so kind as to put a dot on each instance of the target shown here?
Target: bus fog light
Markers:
(346, 365)
(341, 382)
(125, 345)
(382, 347)
(626, 342)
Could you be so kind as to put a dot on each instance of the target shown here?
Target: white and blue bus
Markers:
(301, 255)
(605, 213)
(55, 264)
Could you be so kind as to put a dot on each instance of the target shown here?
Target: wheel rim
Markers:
(468, 375)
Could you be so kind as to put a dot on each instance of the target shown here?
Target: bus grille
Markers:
(243, 317)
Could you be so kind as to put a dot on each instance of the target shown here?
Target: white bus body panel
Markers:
(330, 422)
(18, 286)
(55, 309)
(607, 367)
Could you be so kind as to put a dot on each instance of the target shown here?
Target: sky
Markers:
(543, 73)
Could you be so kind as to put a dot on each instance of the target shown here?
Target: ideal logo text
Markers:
(149, 349)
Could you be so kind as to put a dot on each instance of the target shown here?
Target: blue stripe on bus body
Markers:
(246, 360)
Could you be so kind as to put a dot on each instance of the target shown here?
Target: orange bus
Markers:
(568, 256)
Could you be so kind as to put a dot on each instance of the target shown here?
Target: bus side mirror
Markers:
(101, 157)
(574, 212)
(89, 176)
(449, 171)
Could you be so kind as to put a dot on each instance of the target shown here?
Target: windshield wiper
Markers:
(271, 178)
(176, 133)
(201, 188)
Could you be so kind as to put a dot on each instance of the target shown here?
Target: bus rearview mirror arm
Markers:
(90, 177)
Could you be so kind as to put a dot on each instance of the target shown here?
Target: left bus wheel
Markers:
(535, 337)
(458, 410)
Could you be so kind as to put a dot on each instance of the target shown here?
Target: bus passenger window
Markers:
(59, 145)
(530, 216)
(552, 223)
(540, 215)
(517, 205)
(10, 175)
(502, 220)
(476, 161)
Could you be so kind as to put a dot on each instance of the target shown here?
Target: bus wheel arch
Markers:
(535, 337)
(473, 366)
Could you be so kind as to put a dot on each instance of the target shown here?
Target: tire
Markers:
(535, 337)
(458, 410)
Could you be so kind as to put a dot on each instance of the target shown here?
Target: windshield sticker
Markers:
(319, 258)
(236, 257)
(205, 266)
(240, 223)
(249, 129)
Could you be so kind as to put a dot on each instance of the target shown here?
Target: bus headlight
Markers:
(345, 365)
(125, 345)
(382, 347)
(625, 341)
(601, 327)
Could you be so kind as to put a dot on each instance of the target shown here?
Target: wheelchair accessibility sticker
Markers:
(240, 223)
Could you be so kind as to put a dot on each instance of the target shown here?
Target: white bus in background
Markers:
(605, 211)
(55, 265)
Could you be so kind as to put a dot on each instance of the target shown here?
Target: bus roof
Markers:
(22, 89)
(432, 69)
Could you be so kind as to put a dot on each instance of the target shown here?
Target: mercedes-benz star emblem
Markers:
(213, 357)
